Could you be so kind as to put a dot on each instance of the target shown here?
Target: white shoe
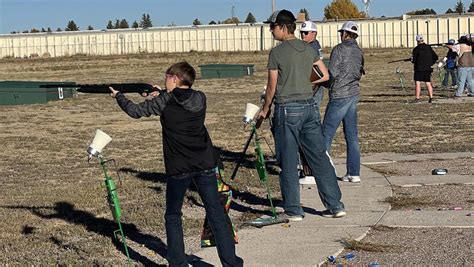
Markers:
(349, 178)
(308, 180)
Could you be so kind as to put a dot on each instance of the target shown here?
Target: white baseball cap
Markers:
(308, 26)
(350, 26)
(419, 38)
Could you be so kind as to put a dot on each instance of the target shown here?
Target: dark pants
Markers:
(206, 183)
(454, 78)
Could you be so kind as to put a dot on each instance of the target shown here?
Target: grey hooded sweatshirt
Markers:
(346, 68)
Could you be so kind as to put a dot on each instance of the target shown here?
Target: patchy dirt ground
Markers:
(52, 201)
(395, 246)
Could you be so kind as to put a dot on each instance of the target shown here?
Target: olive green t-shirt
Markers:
(293, 59)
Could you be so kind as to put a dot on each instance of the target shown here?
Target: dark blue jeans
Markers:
(298, 124)
(344, 110)
(454, 78)
(206, 183)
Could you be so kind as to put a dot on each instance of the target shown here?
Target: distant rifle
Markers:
(400, 60)
(140, 88)
(439, 44)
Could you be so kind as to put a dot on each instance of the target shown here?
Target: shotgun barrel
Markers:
(104, 88)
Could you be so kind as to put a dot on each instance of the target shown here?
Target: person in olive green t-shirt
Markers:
(295, 121)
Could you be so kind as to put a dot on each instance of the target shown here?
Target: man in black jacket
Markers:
(423, 57)
(189, 157)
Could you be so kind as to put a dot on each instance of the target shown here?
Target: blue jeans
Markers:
(465, 80)
(206, 183)
(344, 110)
(298, 124)
(454, 78)
(318, 97)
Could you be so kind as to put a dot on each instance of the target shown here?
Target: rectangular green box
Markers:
(210, 71)
(30, 92)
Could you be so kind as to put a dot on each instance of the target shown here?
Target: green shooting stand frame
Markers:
(263, 176)
(114, 203)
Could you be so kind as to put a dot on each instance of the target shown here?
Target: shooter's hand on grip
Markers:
(262, 116)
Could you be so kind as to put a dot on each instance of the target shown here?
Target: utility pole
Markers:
(273, 6)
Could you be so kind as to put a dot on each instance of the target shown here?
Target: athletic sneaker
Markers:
(291, 218)
(349, 178)
(416, 101)
(337, 214)
(307, 180)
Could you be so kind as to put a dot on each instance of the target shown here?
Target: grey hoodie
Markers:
(346, 68)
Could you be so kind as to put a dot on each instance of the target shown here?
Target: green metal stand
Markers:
(263, 176)
(401, 77)
(114, 204)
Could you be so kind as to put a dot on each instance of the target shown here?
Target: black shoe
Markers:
(416, 101)
(430, 100)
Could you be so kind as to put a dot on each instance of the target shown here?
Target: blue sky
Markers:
(19, 15)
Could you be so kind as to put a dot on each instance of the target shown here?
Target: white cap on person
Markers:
(308, 26)
(419, 38)
(349, 26)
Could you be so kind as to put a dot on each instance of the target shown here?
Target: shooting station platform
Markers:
(30, 92)
(210, 71)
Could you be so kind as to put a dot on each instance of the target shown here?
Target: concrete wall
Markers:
(243, 37)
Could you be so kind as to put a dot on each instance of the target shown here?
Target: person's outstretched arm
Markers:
(154, 106)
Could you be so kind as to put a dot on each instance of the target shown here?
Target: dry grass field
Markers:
(52, 203)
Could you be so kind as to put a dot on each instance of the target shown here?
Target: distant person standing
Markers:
(450, 65)
(465, 61)
(423, 57)
(346, 69)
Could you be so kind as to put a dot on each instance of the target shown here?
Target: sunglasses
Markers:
(273, 25)
(304, 33)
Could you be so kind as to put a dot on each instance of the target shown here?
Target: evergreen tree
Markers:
(59, 29)
(43, 30)
(342, 9)
(196, 22)
(306, 13)
(117, 24)
(109, 25)
(124, 24)
(145, 22)
(212, 22)
(449, 11)
(89, 28)
(34, 30)
(425, 11)
(135, 25)
(49, 29)
(459, 8)
(471, 7)
(250, 18)
(71, 26)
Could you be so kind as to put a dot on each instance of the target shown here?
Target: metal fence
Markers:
(395, 32)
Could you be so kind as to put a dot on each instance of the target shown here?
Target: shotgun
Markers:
(141, 88)
(400, 60)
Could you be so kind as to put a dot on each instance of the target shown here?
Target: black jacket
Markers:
(423, 57)
(187, 146)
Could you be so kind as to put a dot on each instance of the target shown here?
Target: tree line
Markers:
(337, 9)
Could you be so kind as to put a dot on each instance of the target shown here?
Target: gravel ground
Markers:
(414, 246)
(419, 246)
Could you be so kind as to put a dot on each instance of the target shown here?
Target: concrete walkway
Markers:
(310, 242)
